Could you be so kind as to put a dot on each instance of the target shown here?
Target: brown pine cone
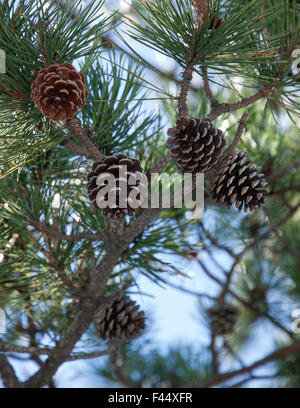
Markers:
(59, 91)
(215, 23)
(223, 318)
(115, 165)
(196, 144)
(120, 320)
(237, 181)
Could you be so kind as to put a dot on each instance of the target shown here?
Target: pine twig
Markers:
(159, 165)
(237, 137)
(213, 101)
(235, 355)
(215, 170)
(55, 233)
(230, 107)
(214, 355)
(117, 362)
(87, 143)
(32, 350)
(81, 151)
(185, 86)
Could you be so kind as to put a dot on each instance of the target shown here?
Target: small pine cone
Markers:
(196, 144)
(241, 182)
(59, 91)
(215, 23)
(120, 320)
(223, 318)
(116, 166)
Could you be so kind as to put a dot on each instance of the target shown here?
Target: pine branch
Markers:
(55, 233)
(220, 109)
(278, 354)
(294, 187)
(215, 170)
(84, 313)
(37, 351)
(185, 86)
(10, 380)
(213, 101)
(81, 151)
(119, 372)
(82, 136)
(237, 137)
(214, 355)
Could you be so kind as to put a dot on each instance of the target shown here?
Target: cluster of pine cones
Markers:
(197, 146)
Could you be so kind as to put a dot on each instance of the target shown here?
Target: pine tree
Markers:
(77, 100)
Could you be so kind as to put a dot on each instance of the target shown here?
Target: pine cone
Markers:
(59, 91)
(120, 320)
(241, 182)
(115, 165)
(223, 318)
(215, 23)
(196, 144)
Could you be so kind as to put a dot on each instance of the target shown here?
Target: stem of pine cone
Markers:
(214, 355)
(212, 173)
(213, 101)
(201, 9)
(10, 380)
(241, 128)
(185, 86)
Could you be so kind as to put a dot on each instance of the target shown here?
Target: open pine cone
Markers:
(196, 144)
(237, 181)
(115, 165)
(59, 91)
(120, 320)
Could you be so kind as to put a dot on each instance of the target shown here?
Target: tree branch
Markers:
(37, 351)
(185, 86)
(227, 107)
(278, 354)
(10, 380)
(55, 233)
(87, 143)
